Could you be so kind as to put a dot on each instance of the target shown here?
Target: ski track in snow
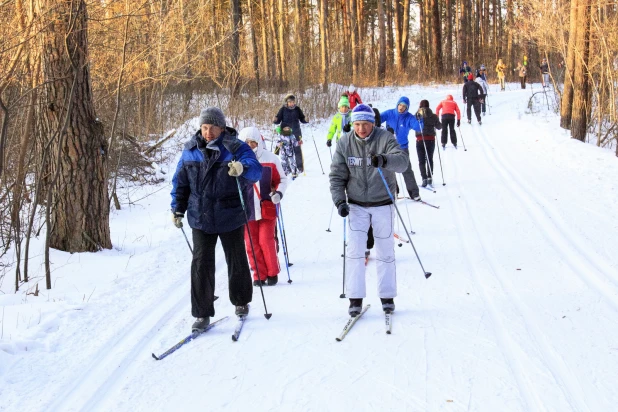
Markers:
(479, 335)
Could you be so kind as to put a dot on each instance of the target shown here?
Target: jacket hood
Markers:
(404, 100)
(252, 133)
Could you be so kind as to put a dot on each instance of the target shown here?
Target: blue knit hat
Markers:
(362, 112)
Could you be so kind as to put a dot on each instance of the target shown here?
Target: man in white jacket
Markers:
(267, 194)
(479, 79)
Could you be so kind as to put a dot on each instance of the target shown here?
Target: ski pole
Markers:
(330, 149)
(441, 169)
(242, 202)
(462, 139)
(331, 217)
(187, 239)
(427, 274)
(316, 150)
(342, 296)
(284, 236)
(285, 251)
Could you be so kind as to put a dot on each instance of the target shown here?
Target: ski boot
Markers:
(356, 306)
(257, 282)
(242, 310)
(416, 198)
(429, 181)
(443, 147)
(469, 121)
(200, 324)
(272, 280)
(388, 305)
(424, 183)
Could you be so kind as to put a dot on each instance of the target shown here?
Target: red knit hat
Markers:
(470, 77)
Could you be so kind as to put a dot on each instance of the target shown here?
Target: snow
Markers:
(519, 314)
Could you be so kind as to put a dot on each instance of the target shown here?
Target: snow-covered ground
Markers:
(519, 315)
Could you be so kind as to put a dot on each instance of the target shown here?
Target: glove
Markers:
(390, 130)
(177, 219)
(343, 209)
(378, 160)
(236, 168)
(346, 128)
(329, 143)
(278, 129)
(276, 196)
(458, 122)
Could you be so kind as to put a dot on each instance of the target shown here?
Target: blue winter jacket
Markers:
(401, 123)
(203, 188)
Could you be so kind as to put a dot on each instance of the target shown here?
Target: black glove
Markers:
(458, 122)
(390, 130)
(329, 143)
(343, 209)
(378, 160)
(347, 128)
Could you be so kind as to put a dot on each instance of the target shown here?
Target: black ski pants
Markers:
(477, 109)
(424, 157)
(448, 125)
(203, 270)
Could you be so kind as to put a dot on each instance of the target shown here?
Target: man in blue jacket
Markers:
(400, 121)
(205, 187)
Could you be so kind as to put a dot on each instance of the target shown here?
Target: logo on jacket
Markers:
(357, 161)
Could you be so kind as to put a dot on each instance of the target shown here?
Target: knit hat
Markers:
(289, 97)
(470, 77)
(351, 88)
(212, 115)
(424, 103)
(362, 112)
(343, 102)
(465, 62)
(482, 67)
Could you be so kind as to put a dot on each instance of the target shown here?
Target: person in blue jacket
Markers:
(400, 121)
(205, 188)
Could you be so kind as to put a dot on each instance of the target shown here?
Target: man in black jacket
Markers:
(473, 96)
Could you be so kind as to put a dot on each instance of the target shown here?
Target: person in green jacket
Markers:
(341, 121)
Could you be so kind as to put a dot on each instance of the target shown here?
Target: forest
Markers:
(88, 88)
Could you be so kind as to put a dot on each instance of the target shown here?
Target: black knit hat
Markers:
(424, 103)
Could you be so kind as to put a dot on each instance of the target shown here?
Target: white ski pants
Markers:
(359, 220)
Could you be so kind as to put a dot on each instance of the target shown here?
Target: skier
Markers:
(485, 87)
(472, 96)
(353, 96)
(267, 193)
(205, 186)
(341, 121)
(426, 141)
(401, 121)
(522, 74)
(293, 116)
(483, 72)
(287, 145)
(449, 108)
(465, 71)
(500, 68)
(545, 72)
(358, 190)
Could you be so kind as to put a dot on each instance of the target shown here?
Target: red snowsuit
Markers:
(353, 98)
(263, 227)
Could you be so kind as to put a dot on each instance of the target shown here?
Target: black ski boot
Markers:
(356, 306)
(242, 310)
(257, 282)
(424, 184)
(430, 181)
(200, 324)
(272, 280)
(388, 305)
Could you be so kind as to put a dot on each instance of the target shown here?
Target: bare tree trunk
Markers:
(581, 77)
(448, 40)
(398, 25)
(273, 37)
(266, 56)
(323, 52)
(254, 45)
(353, 24)
(405, 30)
(509, 34)
(281, 22)
(382, 48)
(436, 39)
(566, 106)
(300, 60)
(235, 52)
(80, 205)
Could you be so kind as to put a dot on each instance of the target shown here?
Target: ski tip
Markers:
(289, 280)
(342, 296)
(268, 315)
(427, 274)
(155, 357)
